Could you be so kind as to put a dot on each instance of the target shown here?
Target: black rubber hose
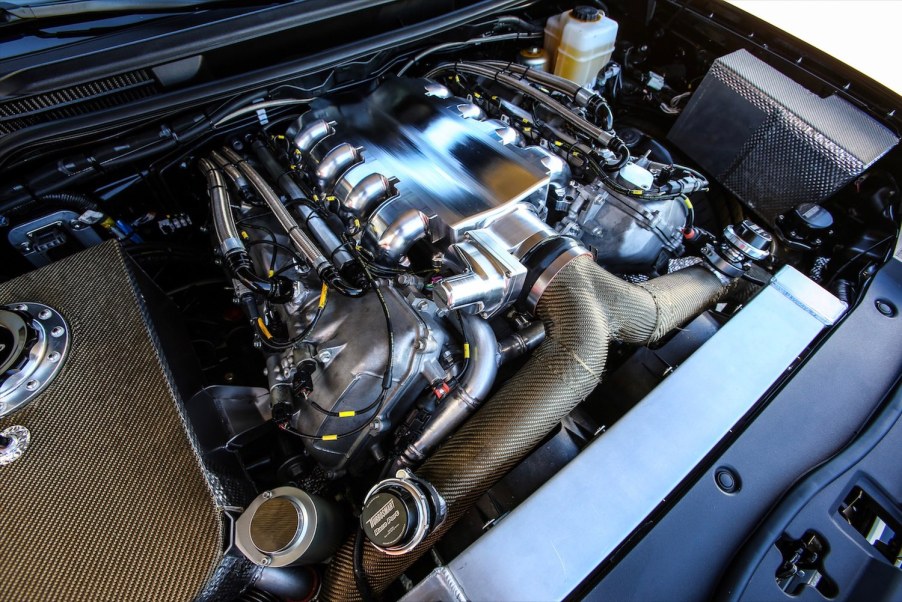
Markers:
(277, 289)
(61, 200)
(331, 277)
(844, 291)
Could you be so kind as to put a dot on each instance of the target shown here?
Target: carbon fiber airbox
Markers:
(770, 141)
(110, 500)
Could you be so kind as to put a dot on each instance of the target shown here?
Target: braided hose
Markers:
(583, 309)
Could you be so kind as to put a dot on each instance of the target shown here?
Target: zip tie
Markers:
(263, 328)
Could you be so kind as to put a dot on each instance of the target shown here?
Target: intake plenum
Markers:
(583, 309)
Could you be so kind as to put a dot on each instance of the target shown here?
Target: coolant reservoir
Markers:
(580, 42)
(553, 37)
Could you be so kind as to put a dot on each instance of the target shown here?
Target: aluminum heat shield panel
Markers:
(770, 141)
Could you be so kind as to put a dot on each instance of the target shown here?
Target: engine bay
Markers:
(414, 292)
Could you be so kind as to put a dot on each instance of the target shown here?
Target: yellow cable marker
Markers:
(272, 273)
(466, 351)
(322, 296)
(347, 414)
(263, 328)
(244, 235)
(330, 437)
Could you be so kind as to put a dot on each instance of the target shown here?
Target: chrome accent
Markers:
(450, 164)
(493, 275)
(470, 111)
(19, 440)
(335, 162)
(558, 170)
(318, 530)
(37, 366)
(223, 219)
(492, 278)
(562, 552)
(473, 388)
(437, 90)
(397, 239)
(310, 135)
(745, 248)
(545, 278)
(367, 194)
(424, 497)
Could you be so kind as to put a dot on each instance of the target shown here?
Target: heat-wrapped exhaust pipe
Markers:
(583, 309)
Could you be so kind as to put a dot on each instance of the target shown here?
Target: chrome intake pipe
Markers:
(474, 386)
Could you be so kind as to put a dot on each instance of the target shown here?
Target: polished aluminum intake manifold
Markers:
(413, 164)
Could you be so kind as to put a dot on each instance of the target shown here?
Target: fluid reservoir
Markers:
(580, 42)
(553, 37)
(535, 58)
